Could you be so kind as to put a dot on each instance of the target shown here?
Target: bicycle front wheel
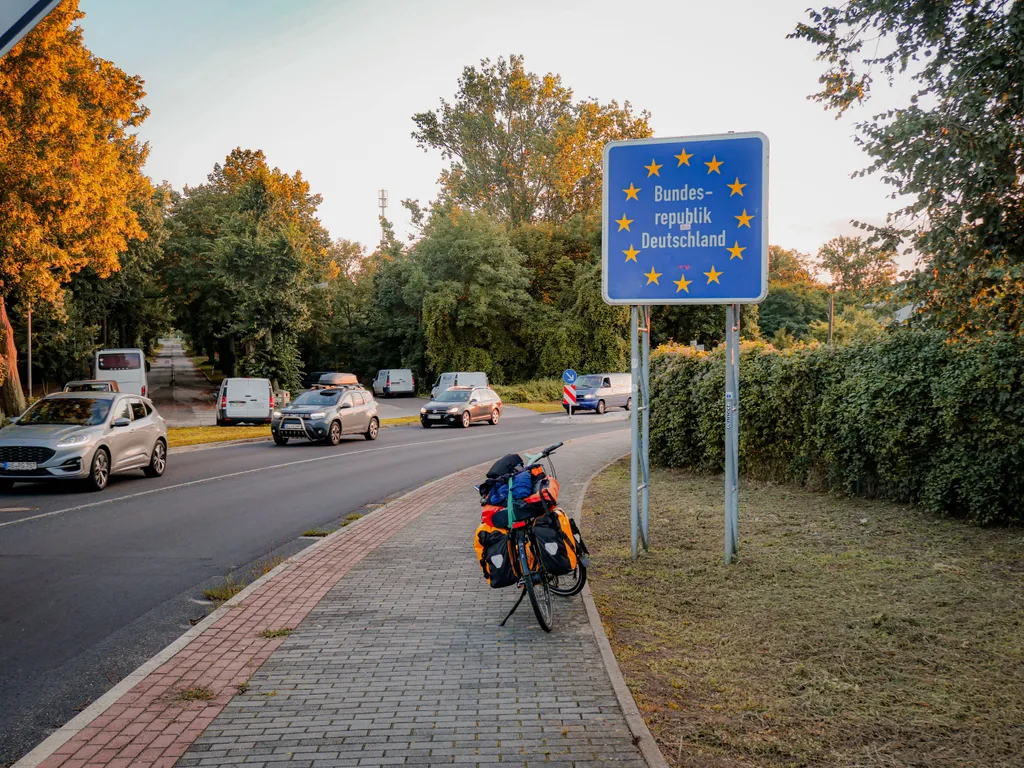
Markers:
(572, 583)
(536, 585)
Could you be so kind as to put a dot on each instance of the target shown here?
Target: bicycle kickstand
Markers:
(521, 596)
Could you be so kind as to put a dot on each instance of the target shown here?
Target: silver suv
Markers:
(325, 414)
(83, 436)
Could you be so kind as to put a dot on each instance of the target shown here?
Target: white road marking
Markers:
(241, 473)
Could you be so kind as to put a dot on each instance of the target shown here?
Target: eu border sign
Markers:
(686, 220)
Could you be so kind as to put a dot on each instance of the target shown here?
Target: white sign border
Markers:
(765, 152)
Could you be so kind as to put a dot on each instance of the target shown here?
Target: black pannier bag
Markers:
(495, 557)
(557, 549)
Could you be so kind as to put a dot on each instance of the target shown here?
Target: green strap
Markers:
(511, 516)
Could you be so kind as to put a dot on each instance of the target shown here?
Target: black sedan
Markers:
(461, 406)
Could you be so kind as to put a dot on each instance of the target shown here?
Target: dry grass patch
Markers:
(270, 634)
(850, 633)
(195, 693)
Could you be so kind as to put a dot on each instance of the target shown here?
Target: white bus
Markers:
(125, 366)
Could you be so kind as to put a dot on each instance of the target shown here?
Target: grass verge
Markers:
(541, 407)
(179, 437)
(850, 632)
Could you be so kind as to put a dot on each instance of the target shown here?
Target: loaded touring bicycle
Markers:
(525, 539)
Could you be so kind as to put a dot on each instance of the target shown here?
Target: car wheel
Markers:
(220, 422)
(495, 415)
(158, 461)
(629, 403)
(99, 471)
(334, 433)
(280, 440)
(465, 419)
(601, 406)
(372, 430)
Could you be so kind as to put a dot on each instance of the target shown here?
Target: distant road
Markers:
(180, 391)
(94, 584)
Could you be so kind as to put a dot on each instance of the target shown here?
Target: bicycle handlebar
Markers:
(532, 458)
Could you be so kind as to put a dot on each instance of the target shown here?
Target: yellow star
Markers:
(682, 284)
(623, 223)
(712, 275)
(684, 159)
(737, 188)
(736, 251)
(631, 253)
(652, 276)
(744, 219)
(631, 192)
(714, 165)
(653, 168)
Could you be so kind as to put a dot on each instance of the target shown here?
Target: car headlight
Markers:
(317, 415)
(453, 409)
(588, 397)
(422, 411)
(277, 414)
(71, 440)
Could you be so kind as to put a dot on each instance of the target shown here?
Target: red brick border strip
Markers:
(153, 724)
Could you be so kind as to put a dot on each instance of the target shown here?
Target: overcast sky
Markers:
(329, 87)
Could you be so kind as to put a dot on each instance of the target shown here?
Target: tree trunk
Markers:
(211, 350)
(12, 399)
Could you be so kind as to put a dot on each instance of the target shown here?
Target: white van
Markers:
(394, 381)
(125, 366)
(459, 379)
(245, 401)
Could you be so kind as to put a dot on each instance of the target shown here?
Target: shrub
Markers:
(536, 391)
(910, 416)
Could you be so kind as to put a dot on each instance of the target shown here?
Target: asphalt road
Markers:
(94, 584)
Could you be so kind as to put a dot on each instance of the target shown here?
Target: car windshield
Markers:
(318, 397)
(588, 382)
(80, 411)
(453, 396)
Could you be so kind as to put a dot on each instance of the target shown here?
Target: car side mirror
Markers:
(122, 422)
(149, 367)
(473, 400)
(346, 405)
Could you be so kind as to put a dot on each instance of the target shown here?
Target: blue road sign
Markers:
(569, 377)
(686, 220)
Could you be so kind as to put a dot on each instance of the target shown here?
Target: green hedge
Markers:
(536, 391)
(911, 417)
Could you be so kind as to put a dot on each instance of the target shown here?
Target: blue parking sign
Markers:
(686, 220)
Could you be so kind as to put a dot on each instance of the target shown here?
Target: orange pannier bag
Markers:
(494, 552)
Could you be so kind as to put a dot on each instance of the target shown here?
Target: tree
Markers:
(70, 170)
(477, 297)
(954, 150)
(857, 266)
(520, 147)
(788, 266)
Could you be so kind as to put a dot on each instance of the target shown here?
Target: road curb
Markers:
(637, 725)
(246, 440)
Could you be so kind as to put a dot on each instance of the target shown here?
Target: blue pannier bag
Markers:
(522, 486)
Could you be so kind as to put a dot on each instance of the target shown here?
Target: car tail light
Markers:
(271, 402)
(143, 390)
(388, 382)
(224, 402)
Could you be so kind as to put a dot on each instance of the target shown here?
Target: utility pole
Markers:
(382, 201)
(30, 351)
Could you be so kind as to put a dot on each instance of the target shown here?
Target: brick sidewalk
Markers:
(396, 659)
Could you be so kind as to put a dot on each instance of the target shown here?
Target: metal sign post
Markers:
(692, 212)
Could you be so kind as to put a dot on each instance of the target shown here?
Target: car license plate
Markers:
(434, 416)
(19, 466)
(293, 425)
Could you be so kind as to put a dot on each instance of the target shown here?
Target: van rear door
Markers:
(257, 398)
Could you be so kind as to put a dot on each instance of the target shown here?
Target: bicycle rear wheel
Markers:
(572, 583)
(536, 585)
